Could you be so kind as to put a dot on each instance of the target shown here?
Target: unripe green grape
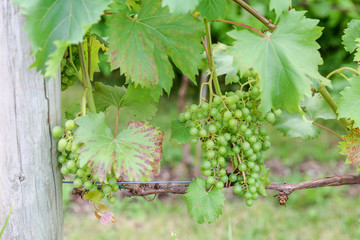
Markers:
(187, 115)
(212, 129)
(233, 139)
(115, 188)
(243, 127)
(238, 114)
(222, 172)
(251, 181)
(224, 179)
(256, 169)
(210, 180)
(206, 165)
(213, 112)
(71, 164)
(217, 100)
(72, 80)
(210, 144)
(206, 173)
(204, 106)
(227, 115)
(267, 138)
(106, 189)
(70, 71)
(249, 105)
(64, 170)
(254, 119)
(237, 189)
(242, 167)
(57, 131)
(255, 196)
(69, 146)
(61, 159)
(252, 139)
(112, 181)
(222, 150)
(70, 124)
(266, 145)
(248, 133)
(245, 146)
(236, 149)
(249, 152)
(181, 117)
(63, 63)
(255, 175)
(250, 165)
(194, 108)
(223, 165)
(221, 140)
(88, 184)
(277, 113)
(240, 93)
(233, 177)
(249, 202)
(63, 87)
(245, 112)
(247, 195)
(252, 189)
(210, 154)
(75, 147)
(65, 80)
(219, 185)
(194, 131)
(194, 140)
(252, 158)
(77, 182)
(221, 160)
(227, 136)
(80, 172)
(232, 106)
(214, 163)
(218, 125)
(203, 133)
(248, 118)
(270, 118)
(233, 122)
(62, 144)
(263, 131)
(240, 178)
(257, 146)
(229, 100)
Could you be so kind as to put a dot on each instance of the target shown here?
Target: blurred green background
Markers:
(326, 213)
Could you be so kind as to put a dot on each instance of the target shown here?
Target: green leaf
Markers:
(351, 33)
(349, 104)
(280, 6)
(357, 53)
(139, 102)
(351, 146)
(285, 60)
(106, 96)
(212, 9)
(135, 153)
(141, 47)
(264, 180)
(300, 125)
(204, 206)
(224, 63)
(64, 22)
(183, 6)
(179, 132)
(93, 196)
(73, 111)
(95, 45)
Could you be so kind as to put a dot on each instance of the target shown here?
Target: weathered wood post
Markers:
(29, 108)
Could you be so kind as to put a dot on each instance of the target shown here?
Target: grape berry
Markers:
(230, 129)
(68, 73)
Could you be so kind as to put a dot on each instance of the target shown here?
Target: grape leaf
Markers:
(73, 111)
(141, 47)
(134, 153)
(351, 33)
(300, 125)
(351, 146)
(224, 63)
(179, 132)
(349, 104)
(204, 206)
(106, 96)
(136, 100)
(95, 45)
(264, 180)
(279, 6)
(357, 52)
(63, 21)
(285, 60)
(184, 6)
(212, 9)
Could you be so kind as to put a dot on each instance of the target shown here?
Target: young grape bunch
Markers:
(230, 130)
(68, 72)
(70, 164)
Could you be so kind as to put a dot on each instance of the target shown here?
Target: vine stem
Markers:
(117, 122)
(245, 26)
(339, 70)
(87, 83)
(257, 15)
(211, 59)
(327, 129)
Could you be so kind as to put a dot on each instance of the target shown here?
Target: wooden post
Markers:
(29, 107)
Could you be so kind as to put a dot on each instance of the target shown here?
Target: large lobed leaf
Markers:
(351, 33)
(141, 46)
(53, 25)
(351, 146)
(285, 60)
(349, 105)
(204, 206)
(134, 153)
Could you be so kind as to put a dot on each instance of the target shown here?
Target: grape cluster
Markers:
(68, 73)
(230, 129)
(70, 163)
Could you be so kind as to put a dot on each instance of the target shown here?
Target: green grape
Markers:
(219, 185)
(243, 127)
(256, 169)
(229, 100)
(221, 140)
(61, 159)
(252, 189)
(217, 100)
(71, 164)
(222, 150)
(237, 188)
(210, 144)
(194, 131)
(112, 181)
(64, 170)
(257, 146)
(181, 117)
(62, 144)
(223, 165)
(251, 181)
(242, 167)
(232, 177)
(106, 189)
(88, 184)
(212, 129)
(63, 87)
(266, 145)
(248, 195)
(227, 136)
(245, 112)
(213, 112)
(210, 180)
(227, 115)
(194, 108)
(251, 165)
(214, 163)
(245, 146)
(81, 172)
(203, 133)
(206, 165)
(270, 118)
(57, 131)
(236, 149)
(252, 158)
(70, 124)
(63, 63)
(115, 188)
(222, 172)
(204, 106)
(277, 113)
(210, 154)
(255, 196)
(221, 160)
(247, 133)
(224, 179)
(252, 139)
(233, 122)
(70, 71)
(206, 173)
(263, 131)
(77, 182)
(249, 202)
(187, 115)
(249, 105)
(238, 114)
(111, 200)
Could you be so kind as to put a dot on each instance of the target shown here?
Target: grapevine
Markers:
(70, 67)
